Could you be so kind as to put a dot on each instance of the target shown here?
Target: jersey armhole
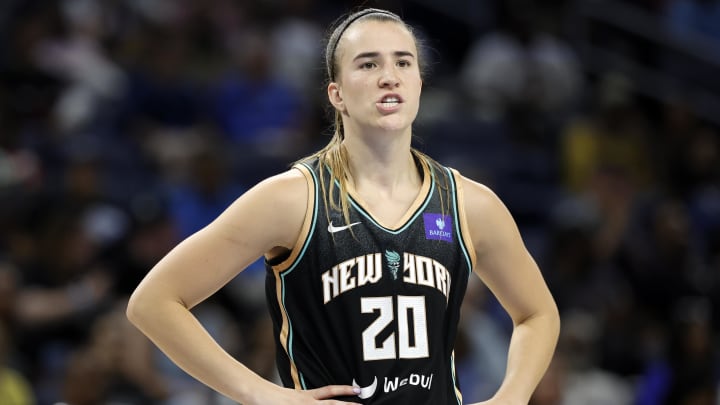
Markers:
(464, 227)
(286, 261)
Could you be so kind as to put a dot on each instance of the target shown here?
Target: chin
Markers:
(392, 123)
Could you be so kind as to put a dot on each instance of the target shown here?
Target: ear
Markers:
(335, 96)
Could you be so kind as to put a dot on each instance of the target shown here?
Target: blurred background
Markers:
(127, 125)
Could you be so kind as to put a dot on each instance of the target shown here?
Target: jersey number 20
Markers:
(412, 337)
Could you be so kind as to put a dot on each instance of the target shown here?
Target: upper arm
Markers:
(267, 216)
(502, 260)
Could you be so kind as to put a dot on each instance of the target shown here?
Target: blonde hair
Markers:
(333, 157)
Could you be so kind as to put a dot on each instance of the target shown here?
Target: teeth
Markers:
(390, 100)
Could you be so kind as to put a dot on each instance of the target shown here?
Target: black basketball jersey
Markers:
(358, 303)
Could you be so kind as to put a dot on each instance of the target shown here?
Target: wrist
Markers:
(252, 389)
(508, 397)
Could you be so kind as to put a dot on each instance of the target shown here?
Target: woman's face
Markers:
(378, 83)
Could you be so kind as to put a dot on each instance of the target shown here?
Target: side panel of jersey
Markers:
(359, 303)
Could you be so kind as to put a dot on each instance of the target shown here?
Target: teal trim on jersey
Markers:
(458, 232)
(454, 378)
(410, 221)
(294, 265)
(461, 242)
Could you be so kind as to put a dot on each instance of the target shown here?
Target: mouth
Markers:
(390, 101)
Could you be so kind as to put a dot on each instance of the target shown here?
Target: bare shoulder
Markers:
(490, 222)
(273, 210)
(286, 184)
(285, 190)
(480, 199)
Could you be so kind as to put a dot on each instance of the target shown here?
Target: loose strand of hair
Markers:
(444, 186)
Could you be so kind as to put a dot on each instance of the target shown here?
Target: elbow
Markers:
(553, 320)
(546, 318)
(146, 307)
(131, 311)
(137, 309)
(557, 321)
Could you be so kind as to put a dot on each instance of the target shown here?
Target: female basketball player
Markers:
(369, 245)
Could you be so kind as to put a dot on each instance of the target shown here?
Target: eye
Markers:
(403, 63)
(367, 65)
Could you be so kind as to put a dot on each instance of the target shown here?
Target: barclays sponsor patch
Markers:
(438, 227)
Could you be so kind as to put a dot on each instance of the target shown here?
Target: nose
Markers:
(389, 78)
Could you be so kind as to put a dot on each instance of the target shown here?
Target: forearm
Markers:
(173, 328)
(531, 349)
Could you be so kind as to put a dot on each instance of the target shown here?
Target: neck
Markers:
(385, 161)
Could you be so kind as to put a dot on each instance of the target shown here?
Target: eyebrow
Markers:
(376, 54)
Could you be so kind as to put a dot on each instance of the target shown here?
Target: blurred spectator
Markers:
(586, 383)
(587, 268)
(205, 191)
(161, 92)
(518, 64)
(64, 287)
(665, 265)
(15, 389)
(689, 159)
(297, 47)
(28, 96)
(574, 272)
(114, 365)
(249, 104)
(687, 373)
(613, 137)
(77, 56)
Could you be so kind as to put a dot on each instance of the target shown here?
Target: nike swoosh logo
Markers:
(333, 229)
(366, 392)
